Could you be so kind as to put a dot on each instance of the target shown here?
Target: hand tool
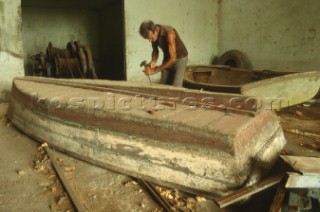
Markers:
(144, 63)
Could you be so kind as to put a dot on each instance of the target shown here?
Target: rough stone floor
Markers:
(28, 181)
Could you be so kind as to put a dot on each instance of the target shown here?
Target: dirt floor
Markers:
(28, 181)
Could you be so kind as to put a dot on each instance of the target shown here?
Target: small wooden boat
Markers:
(280, 88)
(196, 141)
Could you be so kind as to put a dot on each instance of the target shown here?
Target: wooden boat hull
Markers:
(207, 151)
(275, 89)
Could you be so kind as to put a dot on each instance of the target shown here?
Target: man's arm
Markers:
(150, 69)
(172, 52)
(154, 55)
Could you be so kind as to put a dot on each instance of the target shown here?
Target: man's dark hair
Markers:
(145, 27)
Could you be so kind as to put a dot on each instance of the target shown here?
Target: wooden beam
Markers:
(279, 196)
(154, 193)
(247, 191)
(296, 180)
(305, 165)
(71, 193)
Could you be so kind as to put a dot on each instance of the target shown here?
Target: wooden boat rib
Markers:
(201, 150)
(280, 88)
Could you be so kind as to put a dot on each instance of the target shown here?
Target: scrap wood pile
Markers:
(76, 61)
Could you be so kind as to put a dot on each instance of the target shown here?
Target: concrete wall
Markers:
(59, 26)
(275, 34)
(196, 22)
(11, 51)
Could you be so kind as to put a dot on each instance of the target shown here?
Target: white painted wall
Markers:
(59, 26)
(275, 34)
(11, 51)
(196, 22)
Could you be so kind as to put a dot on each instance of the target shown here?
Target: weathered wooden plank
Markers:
(305, 165)
(71, 193)
(296, 180)
(247, 191)
(278, 198)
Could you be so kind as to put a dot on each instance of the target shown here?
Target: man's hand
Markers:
(148, 71)
(152, 64)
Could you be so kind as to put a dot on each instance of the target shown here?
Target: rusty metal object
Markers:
(52, 51)
(75, 61)
(91, 69)
(82, 61)
(67, 67)
(37, 64)
(72, 48)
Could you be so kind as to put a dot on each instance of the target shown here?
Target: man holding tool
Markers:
(145, 65)
(175, 54)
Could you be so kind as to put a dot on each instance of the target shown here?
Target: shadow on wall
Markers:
(214, 60)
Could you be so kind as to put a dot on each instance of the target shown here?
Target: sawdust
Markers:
(20, 173)
(180, 201)
(42, 165)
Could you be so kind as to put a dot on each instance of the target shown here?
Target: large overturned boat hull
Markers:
(199, 142)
